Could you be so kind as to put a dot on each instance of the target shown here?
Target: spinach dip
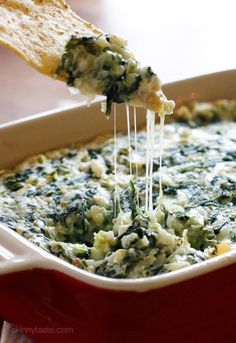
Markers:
(103, 65)
(67, 201)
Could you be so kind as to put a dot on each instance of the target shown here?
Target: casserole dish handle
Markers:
(16, 253)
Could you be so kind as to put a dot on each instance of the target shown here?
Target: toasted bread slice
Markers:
(58, 43)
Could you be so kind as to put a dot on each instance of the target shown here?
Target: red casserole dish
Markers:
(53, 301)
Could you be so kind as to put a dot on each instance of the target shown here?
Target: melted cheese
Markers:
(64, 200)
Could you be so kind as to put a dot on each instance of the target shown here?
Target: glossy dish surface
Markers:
(32, 276)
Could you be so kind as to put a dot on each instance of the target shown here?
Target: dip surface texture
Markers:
(66, 202)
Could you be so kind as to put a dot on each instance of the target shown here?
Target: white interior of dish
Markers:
(53, 129)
